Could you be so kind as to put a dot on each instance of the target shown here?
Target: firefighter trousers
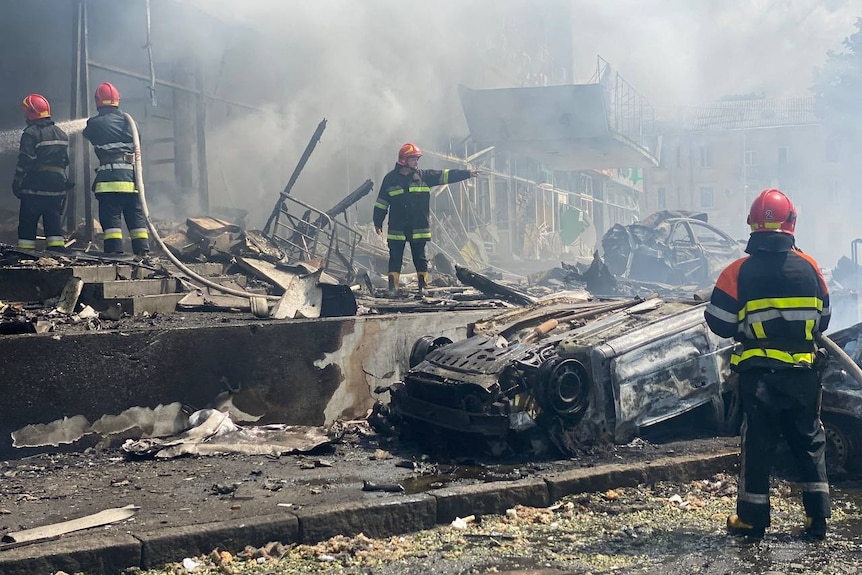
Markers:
(417, 251)
(49, 209)
(113, 208)
(778, 403)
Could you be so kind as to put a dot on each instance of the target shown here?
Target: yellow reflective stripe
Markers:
(395, 192)
(139, 234)
(777, 354)
(780, 303)
(54, 242)
(396, 236)
(420, 189)
(809, 329)
(381, 205)
(445, 178)
(27, 244)
(766, 226)
(421, 235)
(115, 187)
(757, 328)
(113, 234)
(784, 303)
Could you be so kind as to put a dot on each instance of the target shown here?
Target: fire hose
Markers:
(840, 356)
(257, 301)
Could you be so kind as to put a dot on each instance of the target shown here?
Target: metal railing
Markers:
(305, 233)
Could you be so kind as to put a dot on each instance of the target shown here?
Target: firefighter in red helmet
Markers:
(774, 302)
(114, 184)
(405, 194)
(40, 180)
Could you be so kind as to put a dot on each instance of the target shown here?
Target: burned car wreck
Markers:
(563, 376)
(670, 247)
(569, 374)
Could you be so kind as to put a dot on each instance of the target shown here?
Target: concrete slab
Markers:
(392, 515)
(136, 305)
(90, 553)
(260, 368)
(32, 284)
(166, 545)
(622, 475)
(130, 288)
(487, 498)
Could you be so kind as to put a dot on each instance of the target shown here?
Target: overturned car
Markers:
(566, 375)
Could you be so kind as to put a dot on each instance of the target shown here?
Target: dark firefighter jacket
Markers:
(407, 198)
(111, 136)
(42, 160)
(773, 302)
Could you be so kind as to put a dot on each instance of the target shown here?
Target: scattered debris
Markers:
(216, 434)
(57, 529)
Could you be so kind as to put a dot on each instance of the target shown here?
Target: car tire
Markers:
(842, 443)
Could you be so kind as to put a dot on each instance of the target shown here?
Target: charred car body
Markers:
(571, 375)
(670, 247)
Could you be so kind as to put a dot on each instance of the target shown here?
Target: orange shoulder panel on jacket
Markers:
(816, 267)
(728, 281)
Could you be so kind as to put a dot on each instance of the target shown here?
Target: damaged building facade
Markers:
(194, 112)
(717, 157)
(182, 73)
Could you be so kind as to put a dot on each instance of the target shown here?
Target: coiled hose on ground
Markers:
(255, 299)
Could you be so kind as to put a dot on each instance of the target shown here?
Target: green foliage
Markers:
(838, 87)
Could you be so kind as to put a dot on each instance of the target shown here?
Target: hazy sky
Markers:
(673, 51)
(384, 71)
(691, 51)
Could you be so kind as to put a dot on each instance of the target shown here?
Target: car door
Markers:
(716, 247)
(686, 253)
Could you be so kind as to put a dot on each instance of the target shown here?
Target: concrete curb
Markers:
(107, 554)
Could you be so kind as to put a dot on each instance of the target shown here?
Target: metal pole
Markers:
(85, 109)
(203, 173)
(173, 85)
(76, 147)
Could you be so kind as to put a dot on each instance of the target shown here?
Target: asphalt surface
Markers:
(191, 506)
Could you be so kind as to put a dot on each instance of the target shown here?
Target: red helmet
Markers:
(408, 151)
(772, 211)
(36, 106)
(107, 95)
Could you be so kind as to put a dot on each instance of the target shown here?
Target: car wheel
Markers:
(425, 345)
(841, 443)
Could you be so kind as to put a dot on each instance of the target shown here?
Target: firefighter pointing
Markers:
(405, 194)
(773, 302)
(40, 178)
(114, 185)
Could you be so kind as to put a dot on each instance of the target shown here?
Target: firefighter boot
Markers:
(736, 526)
(422, 278)
(815, 528)
(393, 284)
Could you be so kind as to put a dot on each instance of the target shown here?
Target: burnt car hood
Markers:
(639, 366)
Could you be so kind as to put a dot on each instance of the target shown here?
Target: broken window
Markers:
(750, 158)
(705, 157)
(707, 197)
